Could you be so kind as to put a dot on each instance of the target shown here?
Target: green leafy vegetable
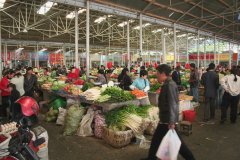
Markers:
(155, 87)
(118, 95)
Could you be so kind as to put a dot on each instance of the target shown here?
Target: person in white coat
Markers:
(18, 80)
(231, 85)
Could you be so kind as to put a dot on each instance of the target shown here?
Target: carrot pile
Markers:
(138, 93)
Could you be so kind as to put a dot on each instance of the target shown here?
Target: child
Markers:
(15, 95)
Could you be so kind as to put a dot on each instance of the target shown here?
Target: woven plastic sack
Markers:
(73, 118)
(85, 128)
(61, 116)
(99, 123)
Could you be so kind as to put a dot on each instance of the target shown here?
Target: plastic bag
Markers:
(85, 128)
(61, 116)
(169, 147)
(99, 123)
(73, 118)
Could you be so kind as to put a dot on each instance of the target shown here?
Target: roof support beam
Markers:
(108, 7)
(187, 12)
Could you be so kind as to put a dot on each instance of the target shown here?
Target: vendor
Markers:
(101, 77)
(124, 79)
(46, 72)
(73, 74)
(142, 82)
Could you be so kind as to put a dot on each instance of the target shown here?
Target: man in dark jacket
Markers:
(169, 113)
(210, 81)
(176, 76)
(30, 82)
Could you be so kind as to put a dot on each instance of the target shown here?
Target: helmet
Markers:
(28, 105)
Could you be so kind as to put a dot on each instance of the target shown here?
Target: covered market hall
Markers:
(119, 79)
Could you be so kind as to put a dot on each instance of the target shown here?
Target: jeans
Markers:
(194, 93)
(220, 93)
(232, 101)
(160, 132)
(209, 109)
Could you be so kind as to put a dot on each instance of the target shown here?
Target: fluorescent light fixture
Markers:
(45, 7)
(71, 15)
(25, 30)
(143, 26)
(197, 39)
(191, 37)
(19, 50)
(42, 50)
(101, 19)
(2, 3)
(125, 23)
(171, 14)
(156, 30)
(182, 35)
(57, 51)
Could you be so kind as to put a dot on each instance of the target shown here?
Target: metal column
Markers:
(175, 45)
(140, 25)
(0, 47)
(64, 55)
(238, 54)
(76, 40)
(37, 59)
(30, 59)
(198, 53)
(163, 48)
(218, 60)
(215, 54)
(205, 54)
(87, 39)
(230, 56)
(128, 46)
(187, 50)
(5, 54)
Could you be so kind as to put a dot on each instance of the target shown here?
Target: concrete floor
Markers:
(208, 142)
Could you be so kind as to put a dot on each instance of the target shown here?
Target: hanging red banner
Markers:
(56, 58)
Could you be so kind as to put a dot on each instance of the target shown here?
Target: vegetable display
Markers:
(73, 89)
(129, 117)
(117, 94)
(92, 94)
(87, 86)
(155, 87)
(103, 98)
(138, 93)
(58, 85)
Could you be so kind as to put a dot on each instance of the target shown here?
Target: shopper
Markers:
(15, 95)
(194, 82)
(101, 77)
(18, 80)
(46, 72)
(210, 81)
(231, 85)
(30, 82)
(5, 92)
(142, 82)
(124, 79)
(168, 104)
(176, 77)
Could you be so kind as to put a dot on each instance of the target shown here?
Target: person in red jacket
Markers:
(5, 91)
